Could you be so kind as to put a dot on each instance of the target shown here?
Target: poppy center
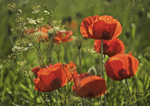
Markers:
(122, 72)
(90, 93)
(56, 84)
(106, 35)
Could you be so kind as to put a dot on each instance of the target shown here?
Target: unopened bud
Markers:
(79, 42)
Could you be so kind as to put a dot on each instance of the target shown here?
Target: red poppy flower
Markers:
(110, 47)
(53, 77)
(88, 85)
(121, 66)
(36, 69)
(63, 37)
(100, 27)
(44, 30)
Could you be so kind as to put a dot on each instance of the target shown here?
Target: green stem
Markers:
(129, 92)
(84, 101)
(80, 67)
(38, 51)
(44, 99)
(56, 97)
(101, 73)
(102, 70)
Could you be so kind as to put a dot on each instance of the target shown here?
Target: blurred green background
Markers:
(134, 16)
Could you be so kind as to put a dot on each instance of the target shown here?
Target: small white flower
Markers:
(30, 44)
(31, 21)
(56, 28)
(63, 30)
(46, 12)
(20, 10)
(35, 11)
(51, 31)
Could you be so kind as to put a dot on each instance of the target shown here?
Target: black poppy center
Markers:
(90, 93)
(122, 72)
(56, 83)
(106, 35)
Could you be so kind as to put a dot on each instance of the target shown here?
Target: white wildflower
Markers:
(20, 11)
(35, 11)
(30, 44)
(56, 28)
(46, 12)
(31, 21)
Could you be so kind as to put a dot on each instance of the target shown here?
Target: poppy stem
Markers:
(84, 101)
(102, 58)
(56, 97)
(102, 70)
(129, 92)
(80, 67)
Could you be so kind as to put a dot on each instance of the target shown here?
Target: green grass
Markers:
(16, 88)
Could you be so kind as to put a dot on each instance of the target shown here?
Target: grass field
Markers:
(20, 53)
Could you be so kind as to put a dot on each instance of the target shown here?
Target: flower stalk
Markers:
(102, 64)
(80, 67)
(56, 97)
(129, 92)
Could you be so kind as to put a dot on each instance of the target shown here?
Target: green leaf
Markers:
(27, 89)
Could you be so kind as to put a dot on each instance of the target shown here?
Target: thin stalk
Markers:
(102, 64)
(44, 99)
(50, 54)
(56, 97)
(102, 60)
(129, 92)
(80, 67)
(84, 101)
(38, 51)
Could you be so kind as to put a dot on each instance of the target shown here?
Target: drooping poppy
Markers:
(110, 47)
(63, 37)
(88, 85)
(53, 77)
(44, 29)
(100, 27)
(121, 66)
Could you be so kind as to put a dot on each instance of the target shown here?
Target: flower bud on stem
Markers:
(79, 42)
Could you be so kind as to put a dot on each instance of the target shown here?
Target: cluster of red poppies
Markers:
(118, 67)
(57, 36)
